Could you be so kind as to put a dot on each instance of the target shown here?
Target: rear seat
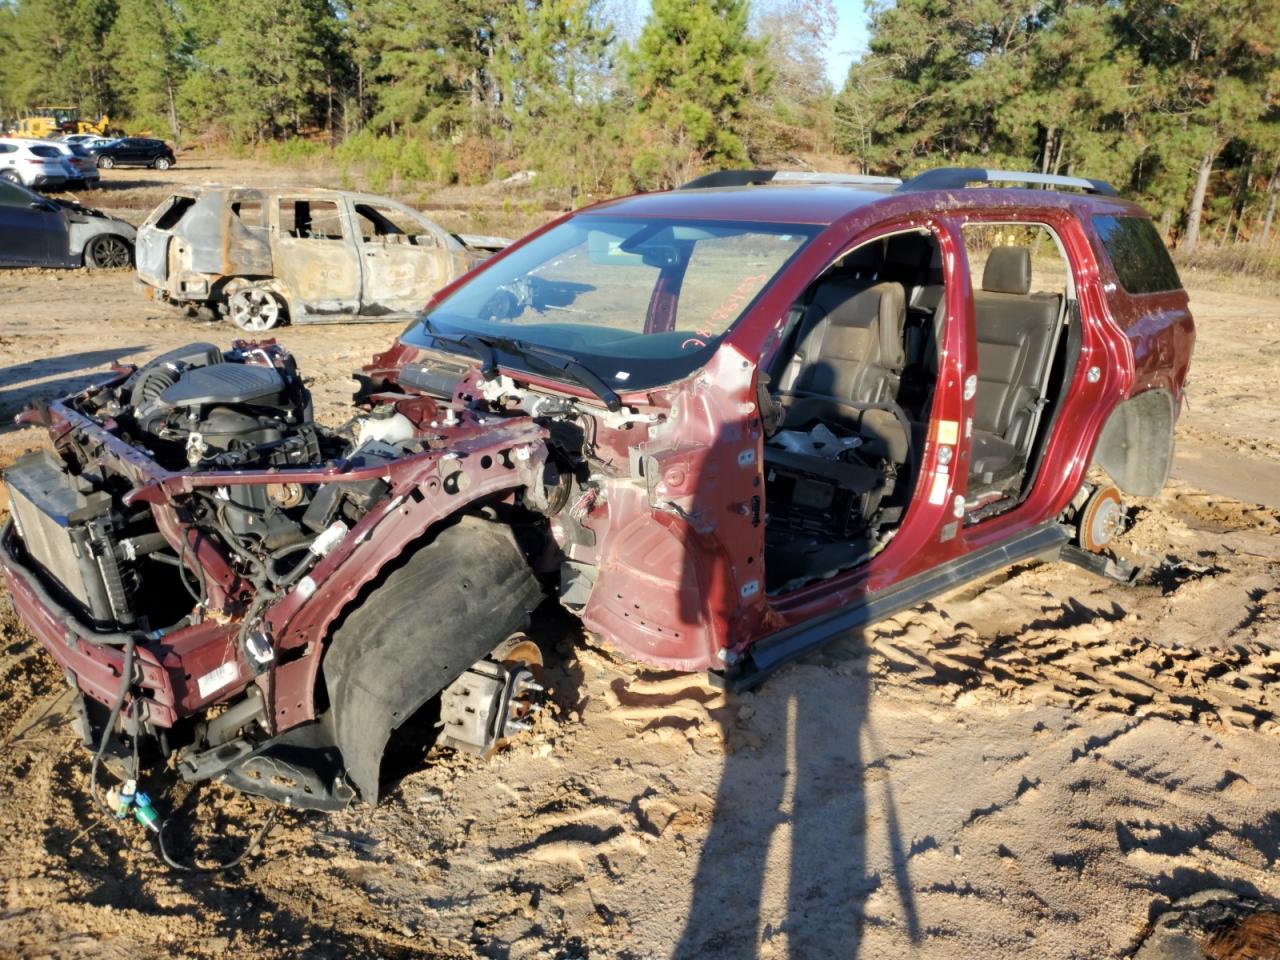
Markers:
(1015, 338)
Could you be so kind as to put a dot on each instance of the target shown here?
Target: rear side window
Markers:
(49, 153)
(177, 209)
(310, 219)
(249, 212)
(1137, 253)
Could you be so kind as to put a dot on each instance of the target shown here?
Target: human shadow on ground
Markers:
(23, 383)
(784, 868)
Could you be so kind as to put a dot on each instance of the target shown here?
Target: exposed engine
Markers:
(202, 409)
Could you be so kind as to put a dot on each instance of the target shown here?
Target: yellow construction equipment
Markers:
(56, 121)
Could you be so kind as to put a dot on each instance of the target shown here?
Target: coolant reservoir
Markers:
(395, 428)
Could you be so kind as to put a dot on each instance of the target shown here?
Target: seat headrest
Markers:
(1008, 270)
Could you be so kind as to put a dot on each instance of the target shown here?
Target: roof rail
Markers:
(957, 178)
(749, 178)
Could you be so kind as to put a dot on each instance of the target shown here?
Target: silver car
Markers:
(266, 257)
(82, 168)
(33, 163)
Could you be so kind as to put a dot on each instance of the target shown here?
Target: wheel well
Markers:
(1135, 446)
(418, 625)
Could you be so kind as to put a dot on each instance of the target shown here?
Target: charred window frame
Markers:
(388, 226)
(307, 219)
(248, 212)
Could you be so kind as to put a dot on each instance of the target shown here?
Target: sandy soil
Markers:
(1037, 765)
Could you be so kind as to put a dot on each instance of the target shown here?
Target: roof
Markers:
(220, 190)
(790, 203)
(825, 203)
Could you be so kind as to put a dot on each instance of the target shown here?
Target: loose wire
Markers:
(126, 677)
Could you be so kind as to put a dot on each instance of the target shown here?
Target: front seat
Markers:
(1016, 333)
(850, 351)
(850, 345)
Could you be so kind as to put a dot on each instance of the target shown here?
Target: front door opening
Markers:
(850, 392)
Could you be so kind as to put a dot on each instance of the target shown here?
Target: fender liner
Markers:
(1135, 446)
(450, 604)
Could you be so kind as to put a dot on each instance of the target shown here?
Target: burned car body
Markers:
(265, 257)
(721, 425)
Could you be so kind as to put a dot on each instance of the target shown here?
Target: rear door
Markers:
(315, 255)
(31, 230)
(403, 259)
(126, 151)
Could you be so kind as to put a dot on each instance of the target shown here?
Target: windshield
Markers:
(639, 302)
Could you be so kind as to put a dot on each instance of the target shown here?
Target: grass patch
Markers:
(1244, 267)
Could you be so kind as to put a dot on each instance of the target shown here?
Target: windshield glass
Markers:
(640, 302)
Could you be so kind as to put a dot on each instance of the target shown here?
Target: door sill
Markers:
(772, 652)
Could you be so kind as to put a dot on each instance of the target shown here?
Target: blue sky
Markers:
(849, 42)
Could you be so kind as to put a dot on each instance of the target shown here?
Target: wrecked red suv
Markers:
(722, 424)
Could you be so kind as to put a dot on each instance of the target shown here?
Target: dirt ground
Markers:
(1036, 765)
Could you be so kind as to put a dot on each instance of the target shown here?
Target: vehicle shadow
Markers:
(784, 869)
(21, 384)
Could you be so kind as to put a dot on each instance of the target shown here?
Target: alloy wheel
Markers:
(254, 308)
(108, 253)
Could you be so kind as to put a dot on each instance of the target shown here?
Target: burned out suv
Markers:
(264, 258)
(721, 424)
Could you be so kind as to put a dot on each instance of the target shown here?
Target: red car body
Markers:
(679, 543)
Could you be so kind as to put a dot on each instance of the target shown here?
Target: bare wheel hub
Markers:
(496, 699)
(1101, 519)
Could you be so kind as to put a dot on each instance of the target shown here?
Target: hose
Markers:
(126, 677)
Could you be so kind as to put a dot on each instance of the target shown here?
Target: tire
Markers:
(106, 163)
(11, 176)
(451, 603)
(108, 252)
(255, 309)
(162, 163)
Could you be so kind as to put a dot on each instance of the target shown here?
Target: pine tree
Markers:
(555, 81)
(1216, 61)
(261, 65)
(691, 73)
(150, 36)
(57, 55)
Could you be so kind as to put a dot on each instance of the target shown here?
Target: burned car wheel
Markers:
(255, 308)
(108, 252)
